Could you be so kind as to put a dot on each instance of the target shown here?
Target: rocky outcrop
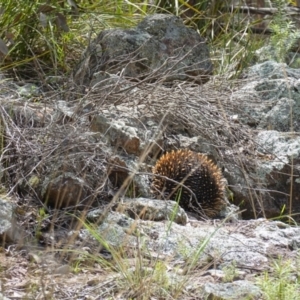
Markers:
(247, 248)
(160, 48)
(153, 210)
(93, 159)
(271, 106)
(270, 97)
(120, 138)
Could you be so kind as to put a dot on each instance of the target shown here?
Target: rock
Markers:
(105, 82)
(66, 190)
(269, 52)
(279, 235)
(154, 210)
(9, 231)
(161, 45)
(100, 124)
(197, 144)
(227, 274)
(247, 244)
(271, 98)
(6, 219)
(64, 112)
(118, 133)
(271, 174)
(124, 173)
(237, 290)
(30, 114)
(3, 297)
(115, 230)
(271, 105)
(275, 172)
(280, 116)
(271, 70)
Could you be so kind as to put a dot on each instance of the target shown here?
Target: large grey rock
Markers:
(248, 244)
(270, 103)
(271, 97)
(272, 181)
(275, 173)
(237, 253)
(161, 45)
(281, 115)
(271, 70)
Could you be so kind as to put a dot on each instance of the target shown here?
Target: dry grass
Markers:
(41, 145)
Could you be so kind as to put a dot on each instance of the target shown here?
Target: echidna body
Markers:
(184, 168)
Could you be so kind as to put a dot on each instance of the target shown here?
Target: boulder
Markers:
(271, 97)
(271, 105)
(161, 47)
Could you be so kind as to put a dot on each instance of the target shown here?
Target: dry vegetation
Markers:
(34, 146)
(196, 110)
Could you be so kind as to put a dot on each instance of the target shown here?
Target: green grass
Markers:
(138, 274)
(230, 272)
(282, 282)
(51, 38)
(36, 41)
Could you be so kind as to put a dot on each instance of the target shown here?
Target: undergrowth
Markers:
(285, 33)
(282, 282)
(48, 39)
(138, 273)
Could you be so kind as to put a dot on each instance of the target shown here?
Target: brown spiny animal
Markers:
(193, 178)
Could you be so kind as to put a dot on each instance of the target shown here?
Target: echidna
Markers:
(200, 175)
